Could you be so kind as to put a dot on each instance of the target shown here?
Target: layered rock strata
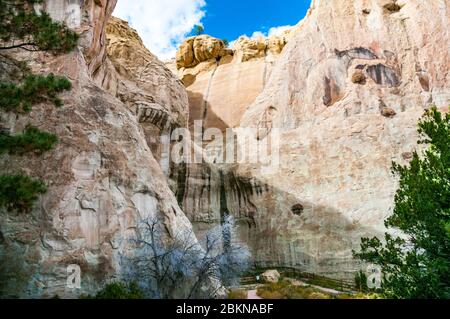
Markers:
(345, 94)
(221, 82)
(103, 177)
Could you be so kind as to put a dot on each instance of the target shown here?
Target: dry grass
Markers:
(285, 290)
(359, 295)
(237, 294)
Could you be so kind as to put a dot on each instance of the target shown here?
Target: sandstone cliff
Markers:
(103, 178)
(222, 82)
(145, 85)
(346, 94)
(345, 88)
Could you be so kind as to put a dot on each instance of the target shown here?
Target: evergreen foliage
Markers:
(31, 140)
(18, 192)
(22, 27)
(34, 89)
(199, 30)
(117, 291)
(417, 265)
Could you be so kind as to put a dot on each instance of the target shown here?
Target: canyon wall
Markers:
(103, 177)
(221, 82)
(345, 89)
(345, 94)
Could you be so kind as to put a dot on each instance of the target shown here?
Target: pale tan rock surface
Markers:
(198, 49)
(271, 276)
(340, 131)
(144, 84)
(102, 176)
(339, 137)
(222, 82)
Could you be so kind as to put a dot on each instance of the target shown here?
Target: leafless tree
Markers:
(182, 267)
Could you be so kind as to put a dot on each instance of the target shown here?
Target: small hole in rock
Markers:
(359, 77)
(392, 7)
(297, 209)
(388, 112)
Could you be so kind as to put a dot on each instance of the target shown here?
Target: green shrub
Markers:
(361, 281)
(22, 27)
(199, 30)
(118, 290)
(33, 90)
(18, 192)
(417, 266)
(31, 140)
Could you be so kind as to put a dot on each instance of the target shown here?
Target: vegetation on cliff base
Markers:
(417, 265)
(21, 26)
(118, 290)
(181, 267)
(237, 294)
(286, 289)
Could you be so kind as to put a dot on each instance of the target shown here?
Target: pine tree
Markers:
(33, 90)
(199, 30)
(417, 265)
(22, 27)
(18, 192)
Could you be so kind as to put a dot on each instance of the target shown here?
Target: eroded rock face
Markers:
(271, 276)
(88, 18)
(200, 49)
(346, 94)
(103, 178)
(223, 82)
(340, 132)
(259, 47)
(144, 84)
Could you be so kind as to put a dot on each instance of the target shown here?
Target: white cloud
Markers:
(275, 31)
(162, 24)
(258, 34)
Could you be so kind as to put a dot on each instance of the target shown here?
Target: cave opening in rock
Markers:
(297, 209)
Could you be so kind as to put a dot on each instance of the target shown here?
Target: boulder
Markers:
(198, 49)
(271, 276)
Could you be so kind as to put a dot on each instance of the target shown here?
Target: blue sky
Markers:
(231, 19)
(164, 24)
